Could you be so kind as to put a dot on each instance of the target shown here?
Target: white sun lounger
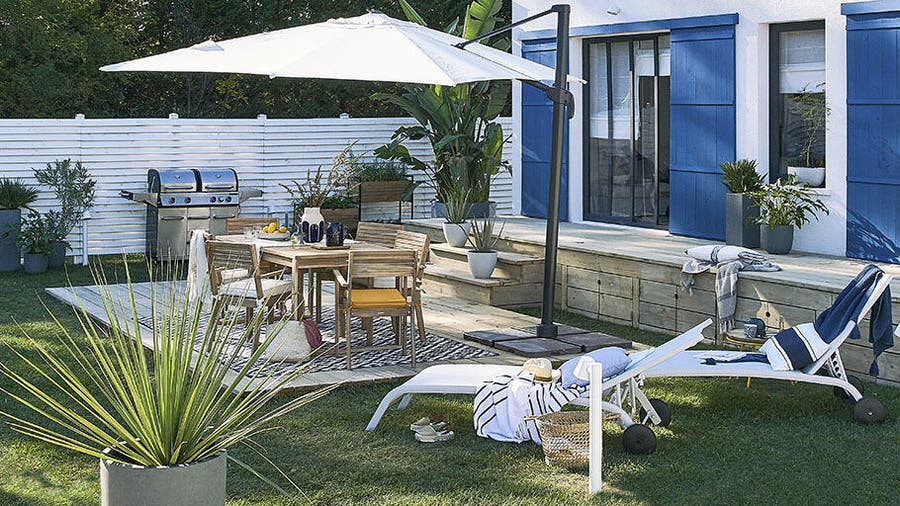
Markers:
(866, 409)
(465, 379)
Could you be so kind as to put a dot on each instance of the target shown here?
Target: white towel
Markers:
(198, 278)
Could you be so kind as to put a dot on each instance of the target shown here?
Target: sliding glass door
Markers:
(626, 177)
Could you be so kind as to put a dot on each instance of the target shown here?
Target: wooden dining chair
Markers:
(396, 303)
(235, 280)
(420, 243)
(235, 226)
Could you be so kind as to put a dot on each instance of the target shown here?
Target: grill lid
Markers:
(217, 180)
(171, 180)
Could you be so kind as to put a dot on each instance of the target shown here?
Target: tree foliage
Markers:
(50, 51)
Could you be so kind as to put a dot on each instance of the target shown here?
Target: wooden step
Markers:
(523, 268)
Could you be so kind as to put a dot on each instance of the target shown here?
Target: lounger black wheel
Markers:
(662, 409)
(639, 439)
(841, 394)
(869, 410)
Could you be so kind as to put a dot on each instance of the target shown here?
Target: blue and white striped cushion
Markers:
(794, 348)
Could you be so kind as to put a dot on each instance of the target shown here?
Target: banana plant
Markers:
(458, 121)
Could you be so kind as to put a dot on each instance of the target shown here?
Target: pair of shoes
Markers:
(428, 431)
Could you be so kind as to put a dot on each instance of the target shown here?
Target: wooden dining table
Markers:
(305, 261)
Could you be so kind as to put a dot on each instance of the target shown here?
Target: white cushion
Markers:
(247, 288)
(290, 344)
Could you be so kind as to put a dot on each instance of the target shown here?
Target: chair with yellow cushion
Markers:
(366, 303)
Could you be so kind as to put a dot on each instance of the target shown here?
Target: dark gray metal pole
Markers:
(547, 328)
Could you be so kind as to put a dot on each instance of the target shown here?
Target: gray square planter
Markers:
(741, 228)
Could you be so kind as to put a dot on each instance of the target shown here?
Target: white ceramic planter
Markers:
(198, 484)
(813, 177)
(456, 234)
(481, 264)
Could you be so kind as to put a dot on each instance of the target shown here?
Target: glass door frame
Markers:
(586, 124)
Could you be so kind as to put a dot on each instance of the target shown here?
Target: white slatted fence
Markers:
(264, 152)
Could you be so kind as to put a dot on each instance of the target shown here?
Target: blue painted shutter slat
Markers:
(537, 114)
(702, 126)
(873, 136)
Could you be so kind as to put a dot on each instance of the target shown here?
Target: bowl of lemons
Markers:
(273, 232)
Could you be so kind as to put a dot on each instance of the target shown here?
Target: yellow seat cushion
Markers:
(377, 298)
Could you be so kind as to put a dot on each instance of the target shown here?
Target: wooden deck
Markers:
(444, 316)
(631, 276)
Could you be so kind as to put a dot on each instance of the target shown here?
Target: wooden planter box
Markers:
(382, 191)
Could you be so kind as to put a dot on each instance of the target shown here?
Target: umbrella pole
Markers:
(560, 98)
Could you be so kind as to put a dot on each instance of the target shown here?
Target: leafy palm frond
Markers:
(163, 406)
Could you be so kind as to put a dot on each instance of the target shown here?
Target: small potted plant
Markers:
(784, 205)
(741, 179)
(14, 196)
(74, 189)
(483, 255)
(813, 110)
(456, 228)
(36, 240)
(310, 194)
(160, 420)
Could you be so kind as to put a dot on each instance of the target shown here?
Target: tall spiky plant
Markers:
(168, 405)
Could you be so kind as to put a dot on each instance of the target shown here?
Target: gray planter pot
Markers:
(473, 210)
(198, 484)
(741, 228)
(481, 264)
(456, 234)
(35, 263)
(10, 225)
(778, 240)
(57, 256)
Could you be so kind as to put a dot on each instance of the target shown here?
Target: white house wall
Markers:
(752, 88)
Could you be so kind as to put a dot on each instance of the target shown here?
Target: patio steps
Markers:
(516, 282)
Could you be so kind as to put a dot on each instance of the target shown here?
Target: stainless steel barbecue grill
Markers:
(180, 201)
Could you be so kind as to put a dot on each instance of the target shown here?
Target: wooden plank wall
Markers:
(264, 152)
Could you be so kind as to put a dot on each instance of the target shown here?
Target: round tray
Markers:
(277, 236)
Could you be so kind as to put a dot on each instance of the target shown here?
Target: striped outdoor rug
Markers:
(435, 349)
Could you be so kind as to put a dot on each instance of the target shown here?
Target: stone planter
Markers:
(741, 228)
(10, 253)
(778, 240)
(35, 263)
(481, 264)
(198, 484)
(456, 234)
(57, 257)
(473, 210)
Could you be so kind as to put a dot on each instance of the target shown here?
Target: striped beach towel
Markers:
(503, 403)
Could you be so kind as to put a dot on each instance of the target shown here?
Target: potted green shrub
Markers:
(455, 227)
(36, 241)
(482, 258)
(74, 189)
(813, 110)
(459, 122)
(14, 196)
(740, 179)
(784, 205)
(159, 420)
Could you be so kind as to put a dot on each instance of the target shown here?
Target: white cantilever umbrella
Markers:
(371, 47)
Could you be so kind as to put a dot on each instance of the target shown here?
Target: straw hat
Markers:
(542, 369)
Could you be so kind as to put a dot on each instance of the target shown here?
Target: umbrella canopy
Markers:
(371, 47)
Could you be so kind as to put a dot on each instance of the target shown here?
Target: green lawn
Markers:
(775, 443)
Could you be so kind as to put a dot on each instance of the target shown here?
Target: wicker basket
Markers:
(565, 437)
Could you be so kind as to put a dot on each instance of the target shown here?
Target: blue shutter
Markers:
(702, 128)
(537, 115)
(873, 135)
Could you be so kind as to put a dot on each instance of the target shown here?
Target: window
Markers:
(797, 93)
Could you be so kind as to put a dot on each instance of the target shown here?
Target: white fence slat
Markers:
(264, 152)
